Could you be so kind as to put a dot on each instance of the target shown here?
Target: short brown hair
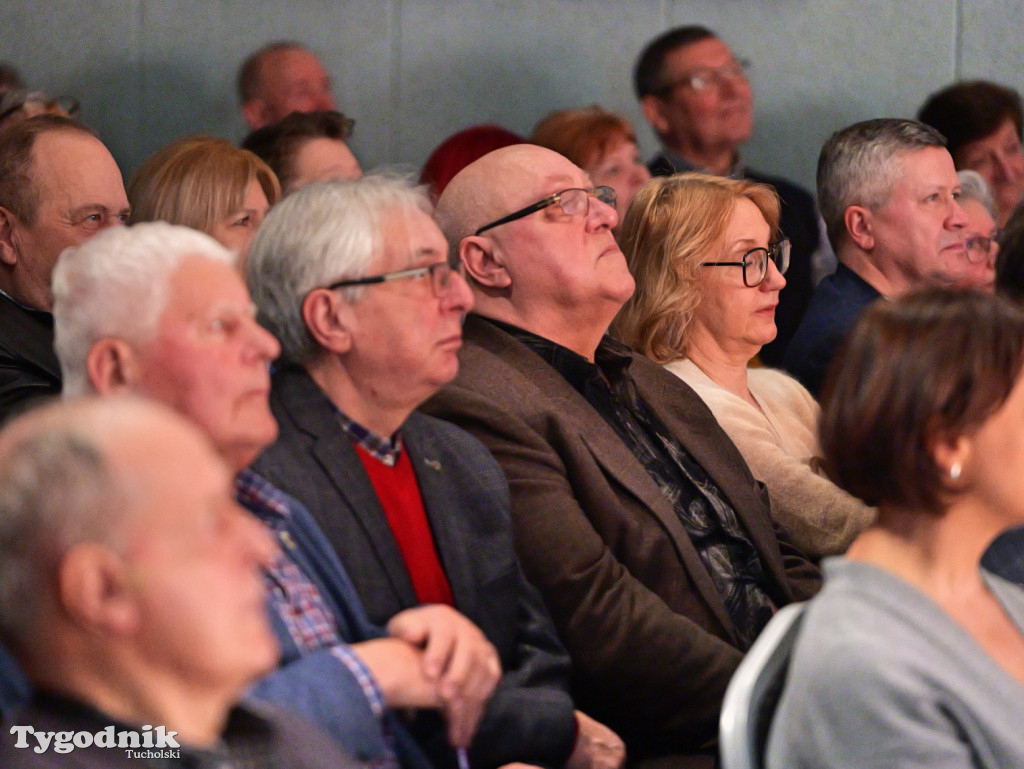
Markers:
(18, 193)
(929, 366)
(196, 182)
(673, 224)
(969, 111)
(582, 135)
(277, 144)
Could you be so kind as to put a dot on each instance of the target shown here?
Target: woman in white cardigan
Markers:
(708, 262)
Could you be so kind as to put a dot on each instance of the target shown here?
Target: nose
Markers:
(262, 343)
(600, 215)
(773, 279)
(459, 297)
(957, 219)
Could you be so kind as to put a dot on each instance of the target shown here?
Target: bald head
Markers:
(552, 271)
(500, 182)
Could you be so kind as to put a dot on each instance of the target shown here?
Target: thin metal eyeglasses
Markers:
(440, 278)
(574, 201)
(978, 248)
(755, 262)
(705, 77)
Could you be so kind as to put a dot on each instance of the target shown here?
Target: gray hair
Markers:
(322, 233)
(56, 490)
(116, 285)
(974, 187)
(860, 165)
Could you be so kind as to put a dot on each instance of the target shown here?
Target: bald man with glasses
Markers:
(633, 513)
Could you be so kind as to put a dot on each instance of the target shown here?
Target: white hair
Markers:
(318, 235)
(974, 187)
(115, 285)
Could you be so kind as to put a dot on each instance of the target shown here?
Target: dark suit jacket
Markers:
(651, 641)
(28, 365)
(530, 717)
(799, 223)
(838, 302)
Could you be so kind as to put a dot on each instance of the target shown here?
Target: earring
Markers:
(954, 471)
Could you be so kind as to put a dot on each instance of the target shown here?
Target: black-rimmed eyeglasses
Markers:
(440, 278)
(574, 201)
(755, 262)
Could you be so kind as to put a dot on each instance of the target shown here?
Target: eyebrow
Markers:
(89, 208)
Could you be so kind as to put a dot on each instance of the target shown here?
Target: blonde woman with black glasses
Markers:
(708, 259)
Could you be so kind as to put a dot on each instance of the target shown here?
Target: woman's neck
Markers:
(726, 369)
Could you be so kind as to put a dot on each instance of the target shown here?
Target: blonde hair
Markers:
(673, 225)
(197, 181)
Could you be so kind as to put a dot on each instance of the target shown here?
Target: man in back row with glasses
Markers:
(633, 513)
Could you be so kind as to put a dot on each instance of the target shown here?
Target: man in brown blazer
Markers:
(634, 514)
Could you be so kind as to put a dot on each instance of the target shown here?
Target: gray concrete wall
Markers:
(411, 72)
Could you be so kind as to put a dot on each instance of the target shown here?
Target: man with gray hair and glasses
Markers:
(161, 311)
(354, 279)
(889, 194)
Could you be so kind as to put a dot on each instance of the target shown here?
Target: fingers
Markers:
(597, 746)
(458, 657)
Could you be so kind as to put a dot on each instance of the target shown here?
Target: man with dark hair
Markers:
(888, 192)
(59, 186)
(281, 78)
(306, 147)
(983, 124)
(696, 96)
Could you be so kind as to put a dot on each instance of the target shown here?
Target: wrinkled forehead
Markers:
(533, 176)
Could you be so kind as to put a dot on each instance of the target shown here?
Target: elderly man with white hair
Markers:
(146, 621)
(354, 279)
(161, 311)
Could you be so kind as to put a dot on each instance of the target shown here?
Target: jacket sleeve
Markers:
(333, 689)
(530, 717)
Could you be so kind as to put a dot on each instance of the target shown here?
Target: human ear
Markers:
(860, 227)
(328, 319)
(254, 113)
(654, 112)
(8, 251)
(111, 366)
(483, 262)
(95, 590)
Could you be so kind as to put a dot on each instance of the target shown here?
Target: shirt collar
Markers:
(682, 165)
(611, 359)
(386, 450)
(266, 501)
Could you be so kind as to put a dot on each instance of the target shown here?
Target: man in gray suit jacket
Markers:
(354, 281)
(633, 513)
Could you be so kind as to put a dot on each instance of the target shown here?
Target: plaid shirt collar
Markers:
(266, 501)
(386, 450)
